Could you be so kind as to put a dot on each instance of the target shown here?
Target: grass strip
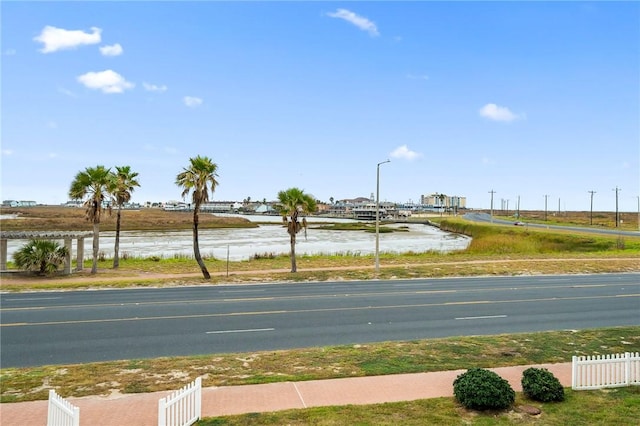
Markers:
(620, 406)
(149, 375)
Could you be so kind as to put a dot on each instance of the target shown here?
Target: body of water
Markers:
(272, 237)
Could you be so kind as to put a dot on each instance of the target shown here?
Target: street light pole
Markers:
(378, 215)
(545, 207)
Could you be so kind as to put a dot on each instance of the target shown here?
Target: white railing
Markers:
(182, 407)
(605, 371)
(61, 412)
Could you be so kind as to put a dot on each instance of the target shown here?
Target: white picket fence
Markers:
(61, 412)
(605, 371)
(183, 407)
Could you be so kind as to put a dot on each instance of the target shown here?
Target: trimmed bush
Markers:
(481, 389)
(541, 385)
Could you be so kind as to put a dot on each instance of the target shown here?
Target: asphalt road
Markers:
(484, 217)
(85, 326)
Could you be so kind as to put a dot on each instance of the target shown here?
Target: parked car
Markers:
(519, 223)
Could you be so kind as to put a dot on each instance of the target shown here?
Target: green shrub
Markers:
(41, 256)
(481, 389)
(541, 385)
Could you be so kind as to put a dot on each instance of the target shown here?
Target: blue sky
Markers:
(524, 98)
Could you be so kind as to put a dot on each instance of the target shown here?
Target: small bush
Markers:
(541, 385)
(481, 389)
(41, 256)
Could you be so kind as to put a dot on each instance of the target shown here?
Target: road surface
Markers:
(84, 326)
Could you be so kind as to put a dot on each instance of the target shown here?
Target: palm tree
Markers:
(441, 197)
(94, 183)
(293, 202)
(199, 178)
(122, 185)
(42, 256)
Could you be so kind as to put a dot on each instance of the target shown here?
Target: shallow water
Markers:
(242, 244)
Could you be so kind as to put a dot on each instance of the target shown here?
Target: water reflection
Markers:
(241, 244)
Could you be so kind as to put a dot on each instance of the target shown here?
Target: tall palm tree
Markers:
(199, 178)
(122, 185)
(294, 202)
(92, 183)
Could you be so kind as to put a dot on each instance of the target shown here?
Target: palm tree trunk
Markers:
(294, 267)
(196, 246)
(116, 249)
(96, 247)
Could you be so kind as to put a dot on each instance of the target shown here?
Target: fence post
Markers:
(627, 368)
(162, 412)
(574, 372)
(199, 398)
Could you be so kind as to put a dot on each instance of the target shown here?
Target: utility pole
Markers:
(492, 192)
(591, 215)
(545, 207)
(558, 206)
(507, 207)
(518, 208)
(617, 215)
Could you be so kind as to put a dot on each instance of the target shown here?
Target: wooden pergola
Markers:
(66, 236)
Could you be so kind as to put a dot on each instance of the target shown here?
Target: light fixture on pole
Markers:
(378, 215)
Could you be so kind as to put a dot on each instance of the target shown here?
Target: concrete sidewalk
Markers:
(142, 409)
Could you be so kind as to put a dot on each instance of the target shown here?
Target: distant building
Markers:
(221, 207)
(15, 203)
(443, 201)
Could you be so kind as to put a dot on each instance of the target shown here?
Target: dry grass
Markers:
(57, 218)
(148, 375)
(628, 220)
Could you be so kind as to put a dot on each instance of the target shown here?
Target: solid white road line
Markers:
(484, 317)
(250, 330)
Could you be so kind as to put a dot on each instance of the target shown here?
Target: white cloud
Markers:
(108, 81)
(498, 113)
(55, 39)
(113, 50)
(154, 88)
(6, 152)
(417, 76)
(359, 21)
(67, 92)
(405, 153)
(192, 101)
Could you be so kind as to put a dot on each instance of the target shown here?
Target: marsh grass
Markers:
(148, 375)
(47, 218)
(627, 220)
(496, 239)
